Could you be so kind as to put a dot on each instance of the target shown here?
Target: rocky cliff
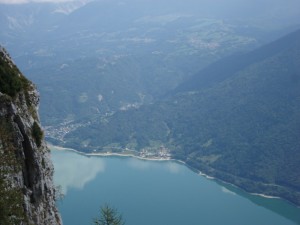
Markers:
(27, 193)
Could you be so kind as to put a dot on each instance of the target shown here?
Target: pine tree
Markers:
(109, 216)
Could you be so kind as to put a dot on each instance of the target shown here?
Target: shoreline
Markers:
(59, 148)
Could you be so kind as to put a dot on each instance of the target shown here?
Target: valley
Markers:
(234, 115)
(215, 85)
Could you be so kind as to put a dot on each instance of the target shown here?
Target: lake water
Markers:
(157, 193)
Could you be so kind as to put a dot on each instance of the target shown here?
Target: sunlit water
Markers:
(157, 193)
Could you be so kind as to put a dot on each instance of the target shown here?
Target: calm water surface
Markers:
(157, 193)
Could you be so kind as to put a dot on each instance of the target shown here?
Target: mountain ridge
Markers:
(243, 129)
(235, 63)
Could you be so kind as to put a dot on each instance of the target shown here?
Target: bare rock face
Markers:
(27, 191)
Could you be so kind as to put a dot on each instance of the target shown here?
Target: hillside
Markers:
(27, 193)
(241, 125)
(92, 58)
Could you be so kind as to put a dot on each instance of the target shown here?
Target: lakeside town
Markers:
(153, 153)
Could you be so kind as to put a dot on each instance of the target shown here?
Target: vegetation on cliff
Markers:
(11, 79)
(27, 194)
(11, 198)
(37, 133)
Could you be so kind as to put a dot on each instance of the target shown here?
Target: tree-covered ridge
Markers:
(243, 129)
(229, 66)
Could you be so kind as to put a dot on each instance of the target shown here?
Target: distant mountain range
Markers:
(129, 53)
(176, 77)
(237, 120)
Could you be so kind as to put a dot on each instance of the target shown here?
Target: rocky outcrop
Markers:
(26, 171)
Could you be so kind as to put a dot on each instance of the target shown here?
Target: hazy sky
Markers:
(28, 1)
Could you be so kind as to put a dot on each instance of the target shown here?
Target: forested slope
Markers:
(242, 128)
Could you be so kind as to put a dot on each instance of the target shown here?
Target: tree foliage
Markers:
(11, 79)
(109, 216)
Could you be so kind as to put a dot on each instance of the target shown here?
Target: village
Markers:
(161, 153)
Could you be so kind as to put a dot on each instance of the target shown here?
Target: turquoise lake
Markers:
(157, 193)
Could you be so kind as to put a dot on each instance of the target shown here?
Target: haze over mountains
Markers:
(101, 56)
(240, 123)
(178, 75)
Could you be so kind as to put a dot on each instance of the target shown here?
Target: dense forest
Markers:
(237, 120)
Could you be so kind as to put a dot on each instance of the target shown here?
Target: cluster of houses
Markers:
(161, 153)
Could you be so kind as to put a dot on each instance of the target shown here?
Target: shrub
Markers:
(11, 80)
(37, 133)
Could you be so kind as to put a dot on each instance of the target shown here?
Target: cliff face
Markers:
(27, 192)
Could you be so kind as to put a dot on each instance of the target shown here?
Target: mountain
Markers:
(117, 75)
(237, 120)
(27, 193)
(128, 53)
(223, 69)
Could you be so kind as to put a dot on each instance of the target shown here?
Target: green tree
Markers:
(109, 216)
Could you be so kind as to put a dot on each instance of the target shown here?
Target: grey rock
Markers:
(33, 174)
